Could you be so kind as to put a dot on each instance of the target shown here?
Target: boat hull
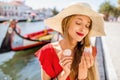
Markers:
(43, 37)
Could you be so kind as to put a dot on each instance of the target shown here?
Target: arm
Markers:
(62, 76)
(93, 72)
(65, 63)
(44, 75)
(87, 61)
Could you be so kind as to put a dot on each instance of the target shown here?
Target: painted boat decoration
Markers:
(31, 40)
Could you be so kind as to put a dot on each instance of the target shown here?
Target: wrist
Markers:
(82, 79)
(63, 76)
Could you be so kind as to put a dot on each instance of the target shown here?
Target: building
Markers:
(19, 11)
(14, 10)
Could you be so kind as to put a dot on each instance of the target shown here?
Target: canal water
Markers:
(20, 65)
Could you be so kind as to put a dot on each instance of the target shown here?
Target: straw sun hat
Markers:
(82, 9)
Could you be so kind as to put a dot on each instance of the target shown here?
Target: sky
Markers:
(60, 4)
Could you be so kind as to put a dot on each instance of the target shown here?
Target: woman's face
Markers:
(79, 27)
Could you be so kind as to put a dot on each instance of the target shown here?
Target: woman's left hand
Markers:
(87, 61)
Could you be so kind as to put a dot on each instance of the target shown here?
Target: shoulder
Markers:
(46, 47)
(49, 50)
(56, 46)
(43, 50)
(45, 53)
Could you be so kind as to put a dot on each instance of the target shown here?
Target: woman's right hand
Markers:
(65, 62)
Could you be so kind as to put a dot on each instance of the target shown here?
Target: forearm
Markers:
(82, 79)
(62, 76)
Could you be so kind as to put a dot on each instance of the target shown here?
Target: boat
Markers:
(31, 40)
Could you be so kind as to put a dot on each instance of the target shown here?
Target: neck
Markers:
(66, 44)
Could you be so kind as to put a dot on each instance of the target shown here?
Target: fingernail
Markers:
(88, 49)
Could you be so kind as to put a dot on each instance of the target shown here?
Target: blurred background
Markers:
(19, 63)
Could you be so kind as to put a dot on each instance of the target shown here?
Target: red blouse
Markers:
(49, 61)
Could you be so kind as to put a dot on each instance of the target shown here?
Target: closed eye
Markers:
(78, 23)
(87, 26)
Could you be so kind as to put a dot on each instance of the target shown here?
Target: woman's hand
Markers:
(65, 63)
(87, 61)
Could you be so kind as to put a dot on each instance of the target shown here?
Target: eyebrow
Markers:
(82, 20)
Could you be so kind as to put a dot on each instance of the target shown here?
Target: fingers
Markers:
(89, 59)
(65, 61)
(82, 69)
(83, 63)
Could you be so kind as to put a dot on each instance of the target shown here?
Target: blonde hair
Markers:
(78, 49)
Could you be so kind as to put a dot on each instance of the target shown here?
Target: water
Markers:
(31, 27)
(25, 27)
(20, 65)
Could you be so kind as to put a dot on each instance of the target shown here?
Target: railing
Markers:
(105, 66)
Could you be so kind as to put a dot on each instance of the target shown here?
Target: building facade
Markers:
(19, 11)
(14, 10)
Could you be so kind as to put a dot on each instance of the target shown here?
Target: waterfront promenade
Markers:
(111, 46)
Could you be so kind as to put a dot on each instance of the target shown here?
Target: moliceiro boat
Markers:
(31, 40)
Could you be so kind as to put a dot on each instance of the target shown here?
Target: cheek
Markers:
(86, 32)
(71, 30)
(73, 27)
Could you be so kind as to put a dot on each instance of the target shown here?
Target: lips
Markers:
(80, 34)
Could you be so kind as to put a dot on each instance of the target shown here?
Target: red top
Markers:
(49, 61)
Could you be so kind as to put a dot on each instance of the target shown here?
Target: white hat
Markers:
(80, 8)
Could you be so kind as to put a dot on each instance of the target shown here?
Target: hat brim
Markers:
(97, 19)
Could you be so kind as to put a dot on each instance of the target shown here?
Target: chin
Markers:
(79, 39)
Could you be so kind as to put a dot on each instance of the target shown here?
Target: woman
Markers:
(77, 23)
(6, 44)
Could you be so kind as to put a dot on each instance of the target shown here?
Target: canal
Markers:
(20, 65)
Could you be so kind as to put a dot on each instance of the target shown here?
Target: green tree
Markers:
(106, 8)
(119, 2)
(116, 12)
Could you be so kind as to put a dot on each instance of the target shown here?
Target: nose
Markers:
(82, 28)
